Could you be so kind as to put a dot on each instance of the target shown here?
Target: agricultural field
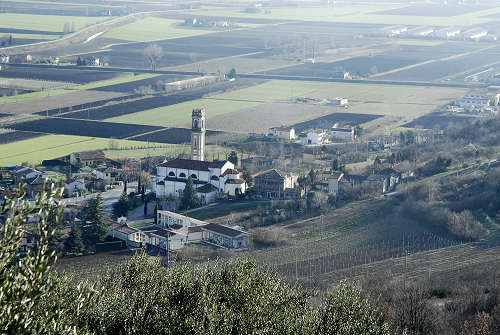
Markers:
(240, 111)
(35, 150)
(15, 136)
(83, 128)
(152, 29)
(45, 23)
(60, 74)
(373, 14)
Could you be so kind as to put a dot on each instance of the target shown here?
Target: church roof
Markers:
(207, 188)
(230, 171)
(235, 181)
(190, 164)
(273, 173)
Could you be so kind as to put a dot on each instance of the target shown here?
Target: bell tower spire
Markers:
(198, 135)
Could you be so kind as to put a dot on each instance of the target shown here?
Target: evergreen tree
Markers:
(233, 158)
(189, 198)
(96, 226)
(74, 243)
(146, 207)
(121, 207)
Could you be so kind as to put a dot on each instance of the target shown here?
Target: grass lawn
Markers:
(53, 146)
(151, 29)
(45, 22)
(357, 14)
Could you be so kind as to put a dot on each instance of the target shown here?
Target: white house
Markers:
(340, 101)
(172, 177)
(74, 185)
(284, 133)
(342, 133)
(225, 237)
(4, 59)
(316, 137)
(330, 181)
(24, 173)
(131, 236)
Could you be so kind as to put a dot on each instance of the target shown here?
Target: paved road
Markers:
(266, 76)
(109, 197)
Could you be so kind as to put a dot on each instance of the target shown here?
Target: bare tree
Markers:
(153, 53)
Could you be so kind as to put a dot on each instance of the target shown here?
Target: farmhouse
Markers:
(340, 101)
(21, 58)
(191, 83)
(4, 59)
(343, 134)
(88, 158)
(316, 137)
(330, 180)
(284, 133)
(225, 237)
(275, 184)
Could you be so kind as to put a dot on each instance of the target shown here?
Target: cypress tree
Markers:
(74, 243)
(189, 197)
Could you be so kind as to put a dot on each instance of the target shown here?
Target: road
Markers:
(263, 76)
(109, 197)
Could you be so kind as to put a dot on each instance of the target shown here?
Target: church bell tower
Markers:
(198, 135)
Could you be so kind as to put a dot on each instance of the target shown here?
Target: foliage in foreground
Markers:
(143, 297)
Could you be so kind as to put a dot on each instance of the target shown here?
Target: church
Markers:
(212, 180)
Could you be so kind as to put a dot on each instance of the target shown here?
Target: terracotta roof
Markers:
(230, 171)
(273, 173)
(235, 181)
(162, 232)
(90, 155)
(207, 188)
(222, 230)
(123, 228)
(190, 164)
(196, 229)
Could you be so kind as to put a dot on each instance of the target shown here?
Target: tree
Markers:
(304, 182)
(26, 282)
(233, 158)
(231, 74)
(96, 227)
(74, 243)
(247, 176)
(335, 165)
(312, 176)
(121, 207)
(153, 54)
(189, 198)
(146, 207)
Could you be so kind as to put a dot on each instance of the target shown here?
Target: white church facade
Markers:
(211, 180)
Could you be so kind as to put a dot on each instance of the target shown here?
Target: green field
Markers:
(53, 146)
(356, 14)
(53, 23)
(151, 29)
(33, 95)
(240, 64)
(398, 103)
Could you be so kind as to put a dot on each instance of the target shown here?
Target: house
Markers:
(257, 162)
(74, 185)
(24, 173)
(330, 180)
(225, 237)
(21, 58)
(88, 158)
(36, 185)
(4, 59)
(172, 176)
(342, 133)
(341, 75)
(448, 32)
(316, 137)
(283, 133)
(109, 175)
(340, 101)
(273, 183)
(475, 34)
(131, 236)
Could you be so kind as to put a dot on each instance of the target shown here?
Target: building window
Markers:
(171, 174)
(214, 178)
(182, 175)
(194, 176)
